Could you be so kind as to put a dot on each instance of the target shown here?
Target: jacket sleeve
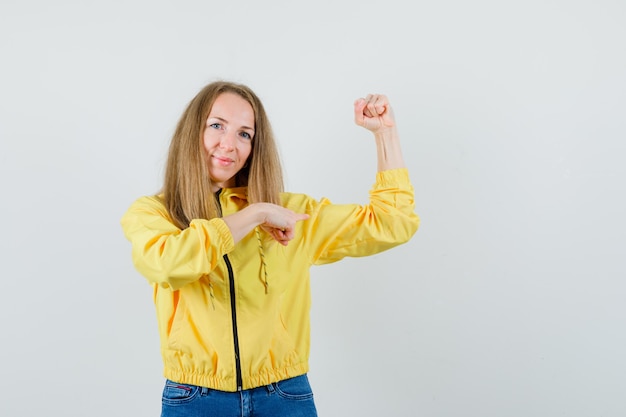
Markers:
(167, 255)
(340, 230)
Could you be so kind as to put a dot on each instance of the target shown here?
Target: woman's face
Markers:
(228, 138)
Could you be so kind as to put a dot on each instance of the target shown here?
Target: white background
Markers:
(509, 301)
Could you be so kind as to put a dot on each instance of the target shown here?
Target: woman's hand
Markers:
(280, 222)
(374, 113)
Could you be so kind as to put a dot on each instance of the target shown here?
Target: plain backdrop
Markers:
(510, 299)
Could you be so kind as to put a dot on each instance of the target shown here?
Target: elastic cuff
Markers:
(228, 244)
(392, 177)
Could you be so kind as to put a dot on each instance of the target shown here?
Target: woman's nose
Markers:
(228, 140)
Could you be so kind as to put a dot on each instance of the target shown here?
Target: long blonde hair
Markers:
(187, 187)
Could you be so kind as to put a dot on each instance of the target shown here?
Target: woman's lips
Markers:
(223, 161)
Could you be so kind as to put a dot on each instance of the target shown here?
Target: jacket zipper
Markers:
(233, 310)
(231, 280)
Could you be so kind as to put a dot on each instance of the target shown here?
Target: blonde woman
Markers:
(228, 254)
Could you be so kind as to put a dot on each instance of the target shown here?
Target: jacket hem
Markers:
(230, 384)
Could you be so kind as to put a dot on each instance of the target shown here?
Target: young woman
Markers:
(228, 254)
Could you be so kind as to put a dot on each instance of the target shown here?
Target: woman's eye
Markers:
(215, 125)
(246, 135)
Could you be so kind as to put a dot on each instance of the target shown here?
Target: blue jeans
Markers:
(289, 398)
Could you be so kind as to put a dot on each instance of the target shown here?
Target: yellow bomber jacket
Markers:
(219, 325)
